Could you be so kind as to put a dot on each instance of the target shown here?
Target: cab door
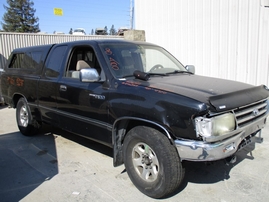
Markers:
(82, 107)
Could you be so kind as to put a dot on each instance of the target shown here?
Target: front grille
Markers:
(247, 114)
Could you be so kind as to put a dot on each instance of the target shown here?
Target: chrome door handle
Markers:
(63, 88)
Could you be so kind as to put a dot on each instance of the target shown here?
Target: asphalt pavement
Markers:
(58, 166)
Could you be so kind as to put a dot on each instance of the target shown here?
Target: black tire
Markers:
(24, 118)
(152, 163)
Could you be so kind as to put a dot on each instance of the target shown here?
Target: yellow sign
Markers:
(58, 11)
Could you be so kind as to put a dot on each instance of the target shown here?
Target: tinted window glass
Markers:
(36, 57)
(29, 60)
(55, 61)
(16, 61)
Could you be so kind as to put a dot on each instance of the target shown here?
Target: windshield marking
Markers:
(125, 59)
(108, 51)
(114, 64)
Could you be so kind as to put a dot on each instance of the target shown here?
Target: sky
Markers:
(87, 14)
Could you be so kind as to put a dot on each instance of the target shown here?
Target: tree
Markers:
(105, 30)
(20, 17)
(71, 31)
(112, 31)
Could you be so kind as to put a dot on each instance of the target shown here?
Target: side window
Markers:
(36, 57)
(29, 60)
(16, 61)
(80, 58)
(53, 66)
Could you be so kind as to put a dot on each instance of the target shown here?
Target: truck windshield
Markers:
(124, 59)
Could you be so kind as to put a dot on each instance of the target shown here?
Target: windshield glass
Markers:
(124, 59)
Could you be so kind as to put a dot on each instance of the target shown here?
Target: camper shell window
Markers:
(28, 60)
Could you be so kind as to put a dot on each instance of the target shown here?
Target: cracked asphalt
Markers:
(58, 166)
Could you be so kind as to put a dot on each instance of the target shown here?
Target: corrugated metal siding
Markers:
(10, 41)
(222, 38)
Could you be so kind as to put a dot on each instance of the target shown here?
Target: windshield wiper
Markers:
(145, 75)
(179, 72)
(157, 74)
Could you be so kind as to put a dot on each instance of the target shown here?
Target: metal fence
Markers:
(10, 41)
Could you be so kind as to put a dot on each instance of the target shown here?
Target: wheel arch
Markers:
(15, 99)
(121, 127)
(34, 115)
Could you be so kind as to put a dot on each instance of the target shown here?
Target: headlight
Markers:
(215, 126)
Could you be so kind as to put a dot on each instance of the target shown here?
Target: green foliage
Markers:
(71, 31)
(112, 31)
(20, 17)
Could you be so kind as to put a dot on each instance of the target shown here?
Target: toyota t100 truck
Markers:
(138, 99)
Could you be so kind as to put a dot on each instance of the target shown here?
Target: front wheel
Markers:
(24, 119)
(152, 163)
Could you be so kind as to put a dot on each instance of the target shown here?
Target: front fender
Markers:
(121, 127)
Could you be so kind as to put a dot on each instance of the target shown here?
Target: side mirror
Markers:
(89, 75)
(190, 68)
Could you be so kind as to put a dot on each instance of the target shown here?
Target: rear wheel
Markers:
(24, 118)
(152, 163)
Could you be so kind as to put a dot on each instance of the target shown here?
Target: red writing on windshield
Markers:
(114, 64)
(108, 51)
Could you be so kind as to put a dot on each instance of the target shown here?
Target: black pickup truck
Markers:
(138, 99)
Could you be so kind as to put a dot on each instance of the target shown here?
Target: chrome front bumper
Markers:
(192, 150)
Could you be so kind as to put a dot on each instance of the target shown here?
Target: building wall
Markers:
(10, 41)
(222, 38)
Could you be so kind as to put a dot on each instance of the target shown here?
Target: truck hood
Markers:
(219, 94)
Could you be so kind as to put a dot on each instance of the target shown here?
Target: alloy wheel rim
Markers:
(24, 116)
(145, 162)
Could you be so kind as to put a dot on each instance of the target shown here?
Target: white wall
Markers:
(222, 38)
